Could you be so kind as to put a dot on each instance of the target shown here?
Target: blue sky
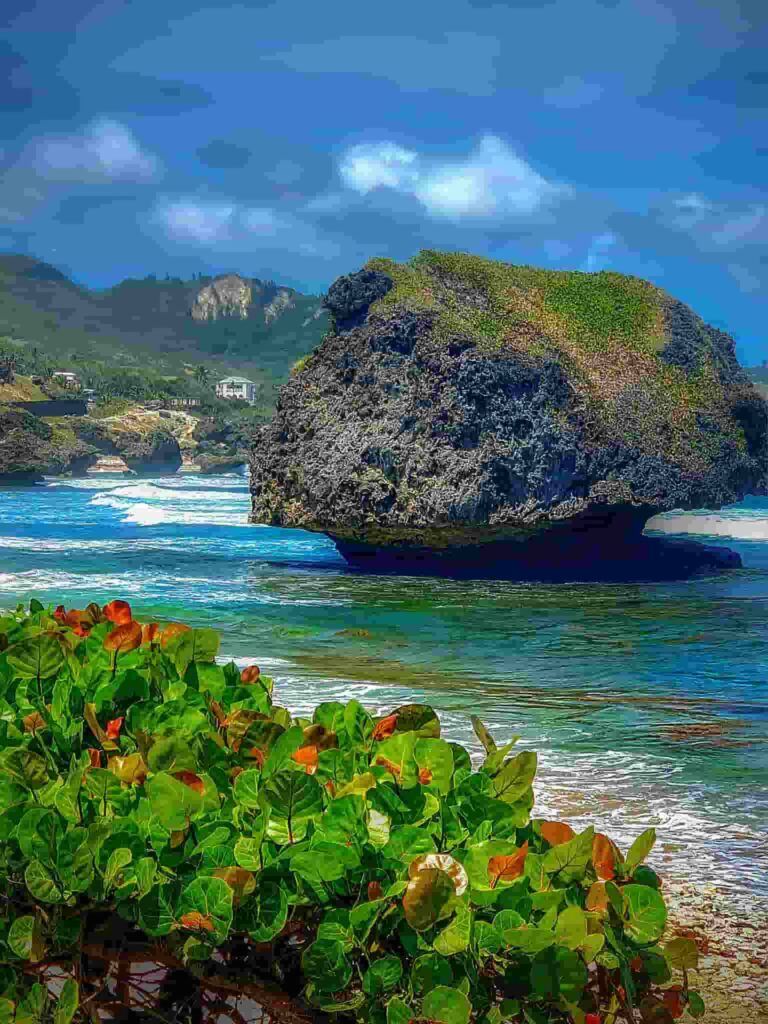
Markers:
(295, 140)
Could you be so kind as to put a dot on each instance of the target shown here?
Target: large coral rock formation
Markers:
(462, 409)
(226, 296)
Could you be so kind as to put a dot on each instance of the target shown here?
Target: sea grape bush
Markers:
(400, 882)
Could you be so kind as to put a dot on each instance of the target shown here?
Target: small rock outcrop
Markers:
(30, 448)
(226, 296)
(467, 411)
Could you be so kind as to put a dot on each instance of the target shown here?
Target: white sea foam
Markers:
(741, 524)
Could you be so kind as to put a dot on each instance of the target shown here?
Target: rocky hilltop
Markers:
(466, 412)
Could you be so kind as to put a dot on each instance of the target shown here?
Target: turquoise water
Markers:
(647, 703)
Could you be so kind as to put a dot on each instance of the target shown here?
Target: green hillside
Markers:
(46, 319)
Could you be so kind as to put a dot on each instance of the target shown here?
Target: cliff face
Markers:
(228, 296)
(459, 404)
(30, 448)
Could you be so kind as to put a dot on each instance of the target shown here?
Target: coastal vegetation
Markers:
(366, 863)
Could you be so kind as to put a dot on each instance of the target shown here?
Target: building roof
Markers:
(236, 380)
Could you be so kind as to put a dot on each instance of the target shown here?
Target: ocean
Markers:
(647, 703)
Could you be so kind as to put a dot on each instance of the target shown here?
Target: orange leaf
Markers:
(385, 727)
(330, 788)
(255, 753)
(118, 612)
(235, 772)
(306, 756)
(556, 832)
(131, 769)
(506, 868)
(603, 857)
(425, 776)
(191, 780)
(61, 613)
(114, 727)
(149, 633)
(250, 674)
(384, 762)
(95, 756)
(673, 1001)
(375, 892)
(34, 722)
(177, 838)
(171, 630)
(195, 921)
(240, 880)
(597, 897)
(123, 638)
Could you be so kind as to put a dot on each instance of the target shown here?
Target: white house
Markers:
(69, 380)
(237, 387)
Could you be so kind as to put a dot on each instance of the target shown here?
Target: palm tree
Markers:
(202, 375)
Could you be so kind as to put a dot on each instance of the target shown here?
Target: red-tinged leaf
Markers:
(240, 880)
(60, 614)
(149, 633)
(375, 892)
(218, 713)
(425, 776)
(171, 630)
(392, 768)
(235, 772)
(673, 1000)
(118, 612)
(176, 838)
(255, 752)
(131, 769)
(191, 780)
(196, 921)
(306, 756)
(556, 832)
(250, 674)
(592, 1018)
(114, 727)
(82, 631)
(123, 638)
(95, 757)
(597, 897)
(506, 868)
(384, 729)
(636, 964)
(331, 788)
(34, 722)
(603, 857)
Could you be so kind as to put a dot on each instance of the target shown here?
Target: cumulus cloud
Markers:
(718, 226)
(105, 150)
(598, 248)
(231, 226)
(491, 182)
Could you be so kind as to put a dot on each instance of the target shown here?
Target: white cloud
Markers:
(492, 182)
(231, 226)
(106, 150)
(719, 226)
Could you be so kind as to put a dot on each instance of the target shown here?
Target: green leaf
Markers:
(358, 725)
(67, 1003)
(646, 912)
(173, 803)
(515, 778)
(430, 971)
(446, 1005)
(419, 719)
(247, 788)
(21, 936)
(25, 766)
(529, 940)
(156, 913)
(571, 927)
(408, 842)
(292, 795)
(74, 860)
(397, 755)
(146, 871)
(569, 860)
(456, 936)
(327, 966)
(248, 853)
(696, 1006)
(32, 1007)
(194, 645)
(212, 898)
(38, 834)
(682, 954)
(171, 754)
(488, 742)
(428, 898)
(382, 975)
(41, 883)
(639, 850)
(398, 1011)
(38, 657)
(118, 859)
(265, 913)
(558, 973)
(435, 757)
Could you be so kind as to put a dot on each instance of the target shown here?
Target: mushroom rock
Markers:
(465, 415)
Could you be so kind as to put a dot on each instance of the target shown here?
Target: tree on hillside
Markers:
(202, 375)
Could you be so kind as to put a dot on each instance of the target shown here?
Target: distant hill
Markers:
(759, 375)
(227, 323)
